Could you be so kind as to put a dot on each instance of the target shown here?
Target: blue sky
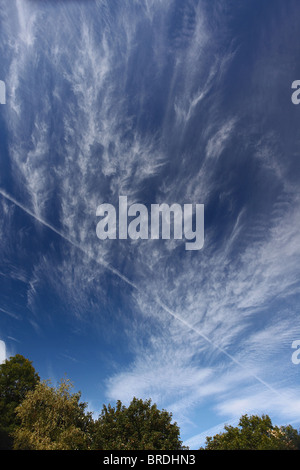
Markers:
(162, 101)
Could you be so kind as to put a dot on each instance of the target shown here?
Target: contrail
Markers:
(223, 351)
(130, 283)
(69, 240)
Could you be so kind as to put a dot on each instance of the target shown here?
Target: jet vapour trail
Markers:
(196, 330)
(79, 247)
(127, 281)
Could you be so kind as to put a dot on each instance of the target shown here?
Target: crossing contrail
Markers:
(102, 262)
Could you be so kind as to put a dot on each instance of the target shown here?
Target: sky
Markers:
(161, 101)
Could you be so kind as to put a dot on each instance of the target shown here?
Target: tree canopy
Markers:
(52, 418)
(34, 415)
(17, 377)
(255, 433)
(140, 426)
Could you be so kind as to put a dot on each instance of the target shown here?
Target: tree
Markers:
(17, 377)
(52, 418)
(141, 426)
(255, 433)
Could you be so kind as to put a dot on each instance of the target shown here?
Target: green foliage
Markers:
(52, 419)
(36, 416)
(255, 433)
(141, 426)
(17, 377)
